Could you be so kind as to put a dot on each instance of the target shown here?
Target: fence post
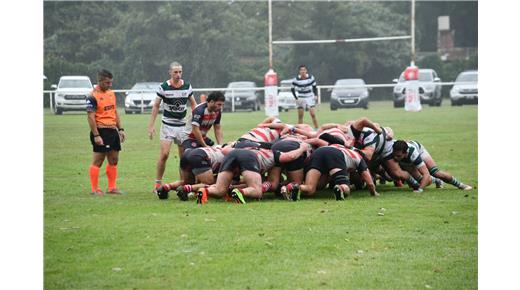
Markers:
(142, 104)
(319, 95)
(232, 100)
(51, 102)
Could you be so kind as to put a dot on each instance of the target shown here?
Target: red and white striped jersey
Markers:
(353, 159)
(265, 134)
(336, 132)
(265, 159)
(215, 156)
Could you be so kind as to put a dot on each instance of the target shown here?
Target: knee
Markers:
(164, 156)
(113, 161)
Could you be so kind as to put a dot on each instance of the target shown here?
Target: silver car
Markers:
(349, 93)
(429, 89)
(286, 99)
(243, 95)
(465, 90)
(137, 102)
(71, 94)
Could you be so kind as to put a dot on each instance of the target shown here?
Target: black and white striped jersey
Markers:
(304, 87)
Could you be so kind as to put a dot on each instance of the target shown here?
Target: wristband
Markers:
(121, 129)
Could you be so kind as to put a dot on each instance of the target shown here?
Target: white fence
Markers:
(233, 90)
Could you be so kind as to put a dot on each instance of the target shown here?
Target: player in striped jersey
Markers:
(412, 154)
(377, 150)
(174, 94)
(334, 162)
(205, 116)
(305, 92)
(262, 134)
(198, 169)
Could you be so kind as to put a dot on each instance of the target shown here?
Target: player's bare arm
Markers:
(219, 135)
(367, 178)
(91, 118)
(153, 116)
(198, 135)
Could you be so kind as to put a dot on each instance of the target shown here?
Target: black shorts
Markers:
(196, 161)
(244, 143)
(283, 146)
(191, 143)
(240, 159)
(110, 138)
(325, 159)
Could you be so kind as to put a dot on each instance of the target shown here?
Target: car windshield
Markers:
(67, 84)
(469, 77)
(424, 76)
(145, 86)
(350, 82)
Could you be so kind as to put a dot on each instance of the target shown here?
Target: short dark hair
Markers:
(301, 66)
(400, 146)
(103, 73)
(216, 96)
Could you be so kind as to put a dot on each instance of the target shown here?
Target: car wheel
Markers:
(286, 110)
(333, 108)
(454, 103)
(58, 111)
(365, 106)
(398, 104)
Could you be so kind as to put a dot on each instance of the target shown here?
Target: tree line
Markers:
(219, 42)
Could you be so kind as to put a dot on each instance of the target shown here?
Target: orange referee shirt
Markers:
(104, 105)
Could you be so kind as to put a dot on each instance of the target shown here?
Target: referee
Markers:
(305, 93)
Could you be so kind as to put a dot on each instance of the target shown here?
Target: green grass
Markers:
(137, 241)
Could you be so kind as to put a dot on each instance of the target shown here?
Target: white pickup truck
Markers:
(71, 94)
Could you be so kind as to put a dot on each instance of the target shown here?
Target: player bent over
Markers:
(335, 162)
(412, 153)
(106, 133)
(198, 167)
(251, 163)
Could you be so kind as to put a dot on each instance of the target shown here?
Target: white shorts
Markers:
(307, 102)
(175, 134)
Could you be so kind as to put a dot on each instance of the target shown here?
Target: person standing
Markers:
(305, 93)
(174, 93)
(106, 132)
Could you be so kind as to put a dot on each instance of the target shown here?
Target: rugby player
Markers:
(414, 157)
(335, 163)
(305, 93)
(205, 116)
(175, 94)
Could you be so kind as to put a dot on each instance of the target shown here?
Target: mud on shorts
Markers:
(110, 138)
(284, 146)
(241, 159)
(177, 134)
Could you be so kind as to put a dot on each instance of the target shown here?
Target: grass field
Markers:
(422, 241)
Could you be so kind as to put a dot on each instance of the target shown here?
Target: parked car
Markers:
(355, 96)
(133, 99)
(243, 98)
(71, 94)
(429, 89)
(466, 93)
(286, 99)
